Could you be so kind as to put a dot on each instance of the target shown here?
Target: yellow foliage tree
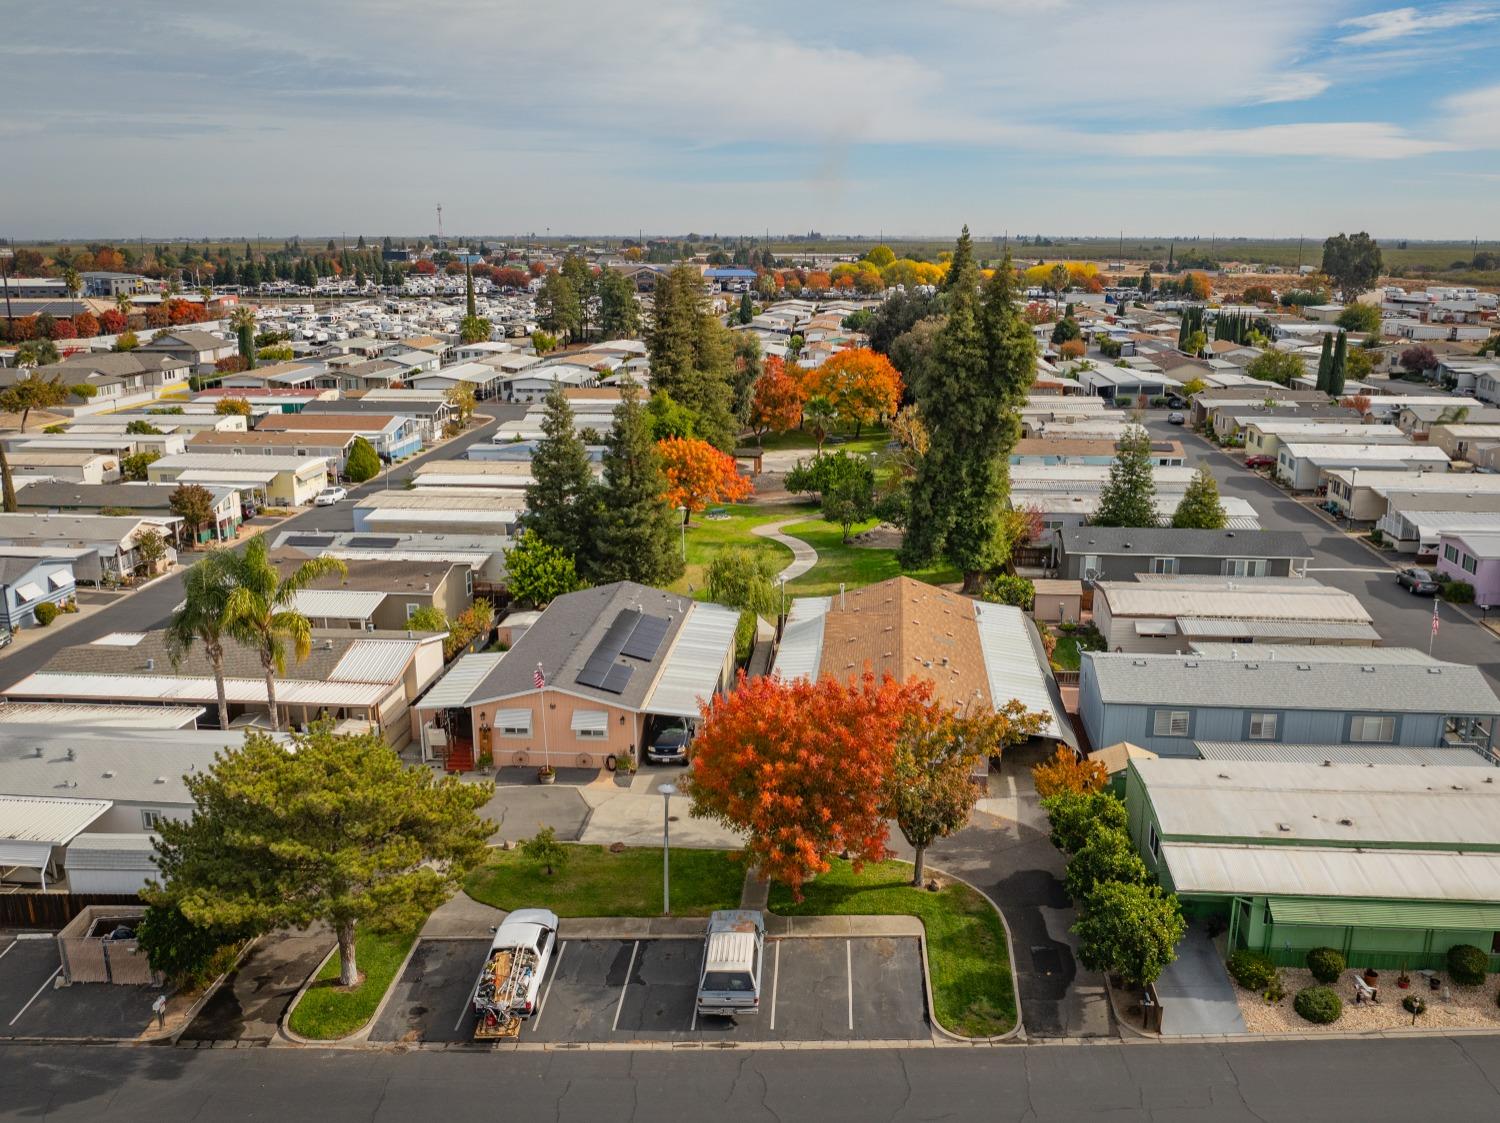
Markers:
(1065, 772)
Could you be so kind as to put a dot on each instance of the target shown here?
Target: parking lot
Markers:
(31, 1007)
(813, 989)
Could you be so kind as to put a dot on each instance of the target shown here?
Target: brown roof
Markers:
(593, 393)
(262, 438)
(1081, 446)
(325, 422)
(376, 575)
(904, 628)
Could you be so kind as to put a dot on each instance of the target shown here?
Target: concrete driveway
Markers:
(249, 1005)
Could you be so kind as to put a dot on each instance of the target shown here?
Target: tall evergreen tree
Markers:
(1129, 497)
(969, 391)
(1325, 363)
(469, 292)
(692, 356)
(619, 314)
(963, 260)
(1340, 368)
(636, 533)
(560, 500)
(1200, 508)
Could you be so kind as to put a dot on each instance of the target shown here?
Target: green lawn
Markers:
(1065, 654)
(972, 990)
(869, 440)
(595, 882)
(327, 1012)
(706, 537)
(852, 566)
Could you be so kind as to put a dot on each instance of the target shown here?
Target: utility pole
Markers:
(5, 259)
(1299, 253)
(440, 221)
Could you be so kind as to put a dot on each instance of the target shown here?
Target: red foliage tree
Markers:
(86, 324)
(861, 384)
(156, 316)
(776, 405)
(23, 329)
(536, 268)
(64, 329)
(512, 278)
(113, 322)
(699, 474)
(801, 768)
(424, 268)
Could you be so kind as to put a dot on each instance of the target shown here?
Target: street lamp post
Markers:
(667, 792)
(684, 511)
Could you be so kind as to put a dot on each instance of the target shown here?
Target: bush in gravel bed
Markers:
(1326, 964)
(1251, 969)
(1319, 1005)
(1467, 965)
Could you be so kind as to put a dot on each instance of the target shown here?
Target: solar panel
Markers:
(310, 540)
(363, 543)
(607, 650)
(645, 640)
(617, 679)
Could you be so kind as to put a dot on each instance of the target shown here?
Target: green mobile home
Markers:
(1391, 864)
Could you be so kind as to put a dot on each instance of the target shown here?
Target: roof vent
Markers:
(1304, 666)
(160, 780)
(1434, 670)
(1252, 666)
(71, 755)
(1223, 775)
(1285, 828)
(150, 664)
(1346, 822)
(37, 752)
(1367, 669)
(1328, 764)
(1138, 662)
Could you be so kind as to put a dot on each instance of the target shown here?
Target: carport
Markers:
(33, 827)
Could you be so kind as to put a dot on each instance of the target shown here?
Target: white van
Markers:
(732, 962)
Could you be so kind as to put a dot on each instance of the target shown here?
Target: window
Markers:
(1468, 562)
(591, 734)
(1262, 727)
(1366, 728)
(1244, 567)
(1153, 840)
(1163, 565)
(1450, 553)
(1090, 565)
(1170, 723)
(411, 608)
(150, 820)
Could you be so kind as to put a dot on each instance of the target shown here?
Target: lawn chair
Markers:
(1364, 992)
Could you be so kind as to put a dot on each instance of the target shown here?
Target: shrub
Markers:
(1458, 592)
(1276, 991)
(46, 612)
(1414, 1005)
(1319, 1005)
(1326, 964)
(1467, 965)
(1011, 589)
(1251, 969)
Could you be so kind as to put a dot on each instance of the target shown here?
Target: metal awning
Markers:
(514, 719)
(1155, 628)
(29, 591)
(1450, 915)
(590, 721)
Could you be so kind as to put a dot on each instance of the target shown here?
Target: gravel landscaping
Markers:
(1462, 1008)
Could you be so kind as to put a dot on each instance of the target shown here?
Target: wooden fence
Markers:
(53, 910)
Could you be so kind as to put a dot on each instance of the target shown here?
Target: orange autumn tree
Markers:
(1065, 772)
(861, 385)
(776, 404)
(698, 474)
(801, 768)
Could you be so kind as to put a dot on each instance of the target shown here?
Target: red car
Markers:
(1259, 461)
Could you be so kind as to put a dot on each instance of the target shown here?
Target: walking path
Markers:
(804, 557)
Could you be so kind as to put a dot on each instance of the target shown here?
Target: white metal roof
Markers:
(225, 475)
(801, 650)
(454, 688)
(691, 671)
(1281, 753)
(380, 661)
(1333, 872)
(1242, 598)
(45, 819)
(1014, 667)
(1316, 653)
(337, 604)
(1234, 627)
(141, 688)
(112, 852)
(75, 714)
(118, 639)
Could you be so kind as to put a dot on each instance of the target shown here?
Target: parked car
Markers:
(510, 981)
(732, 960)
(1419, 581)
(1174, 402)
(6, 636)
(1175, 418)
(1259, 461)
(330, 495)
(669, 742)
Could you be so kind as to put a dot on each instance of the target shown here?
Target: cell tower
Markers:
(440, 221)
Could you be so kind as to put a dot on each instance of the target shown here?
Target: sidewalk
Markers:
(804, 557)
(694, 927)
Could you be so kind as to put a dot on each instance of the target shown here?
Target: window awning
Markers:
(59, 580)
(1419, 915)
(590, 721)
(513, 719)
(29, 591)
(1156, 627)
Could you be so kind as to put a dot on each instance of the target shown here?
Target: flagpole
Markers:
(1432, 636)
(546, 750)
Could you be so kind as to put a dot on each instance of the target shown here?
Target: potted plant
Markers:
(546, 774)
(485, 762)
(1403, 980)
(1372, 976)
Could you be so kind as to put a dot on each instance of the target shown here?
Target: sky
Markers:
(1275, 118)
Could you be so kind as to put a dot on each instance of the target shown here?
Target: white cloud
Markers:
(1473, 118)
(1400, 23)
(1290, 86)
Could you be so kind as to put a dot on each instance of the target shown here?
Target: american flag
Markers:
(539, 679)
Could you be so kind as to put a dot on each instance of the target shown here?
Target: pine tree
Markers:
(469, 292)
(1129, 497)
(559, 501)
(1325, 363)
(1340, 368)
(963, 260)
(747, 309)
(692, 356)
(636, 533)
(1200, 508)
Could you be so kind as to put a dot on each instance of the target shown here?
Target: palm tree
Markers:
(123, 302)
(818, 415)
(260, 612)
(201, 619)
(1452, 415)
(72, 281)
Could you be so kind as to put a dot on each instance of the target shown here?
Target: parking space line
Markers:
(468, 1007)
(625, 986)
(702, 963)
(547, 991)
(8, 946)
(775, 979)
(849, 966)
(37, 995)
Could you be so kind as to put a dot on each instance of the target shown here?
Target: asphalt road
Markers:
(1449, 1078)
(1401, 619)
(150, 607)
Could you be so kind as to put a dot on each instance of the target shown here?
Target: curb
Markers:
(1017, 1031)
(282, 1027)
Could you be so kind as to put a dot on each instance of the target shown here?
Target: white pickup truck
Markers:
(509, 986)
(732, 961)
